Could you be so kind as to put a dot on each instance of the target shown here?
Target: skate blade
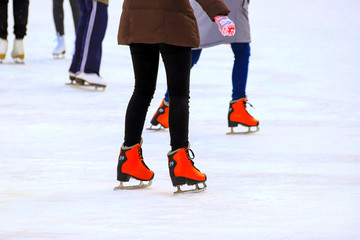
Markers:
(72, 82)
(249, 131)
(156, 128)
(84, 83)
(18, 61)
(85, 86)
(132, 187)
(197, 189)
(58, 56)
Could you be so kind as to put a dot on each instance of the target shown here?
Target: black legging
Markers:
(177, 61)
(58, 14)
(20, 12)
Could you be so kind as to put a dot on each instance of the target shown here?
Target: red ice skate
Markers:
(239, 115)
(182, 170)
(131, 165)
(161, 116)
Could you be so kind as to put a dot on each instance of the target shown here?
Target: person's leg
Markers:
(75, 8)
(21, 12)
(80, 37)
(3, 28)
(94, 35)
(145, 58)
(166, 97)
(58, 15)
(237, 113)
(195, 56)
(177, 61)
(4, 19)
(240, 69)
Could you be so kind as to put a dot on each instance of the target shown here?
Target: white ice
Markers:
(297, 178)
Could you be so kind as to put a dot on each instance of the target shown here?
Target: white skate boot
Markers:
(18, 52)
(90, 79)
(72, 77)
(59, 50)
(3, 49)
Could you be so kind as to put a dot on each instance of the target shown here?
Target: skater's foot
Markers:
(59, 50)
(161, 115)
(182, 170)
(72, 76)
(3, 48)
(131, 165)
(18, 52)
(239, 115)
(90, 79)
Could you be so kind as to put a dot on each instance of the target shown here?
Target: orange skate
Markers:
(182, 170)
(161, 116)
(238, 115)
(131, 165)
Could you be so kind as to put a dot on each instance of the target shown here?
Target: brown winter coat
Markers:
(164, 21)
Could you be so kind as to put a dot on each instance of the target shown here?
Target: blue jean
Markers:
(240, 69)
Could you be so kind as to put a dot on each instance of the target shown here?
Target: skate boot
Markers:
(161, 116)
(59, 50)
(90, 79)
(72, 76)
(182, 171)
(3, 49)
(238, 115)
(18, 52)
(131, 165)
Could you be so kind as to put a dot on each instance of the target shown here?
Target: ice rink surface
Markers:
(298, 178)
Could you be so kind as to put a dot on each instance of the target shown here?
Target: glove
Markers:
(226, 26)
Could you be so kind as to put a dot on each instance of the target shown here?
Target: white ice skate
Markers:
(72, 77)
(59, 50)
(18, 52)
(90, 79)
(3, 49)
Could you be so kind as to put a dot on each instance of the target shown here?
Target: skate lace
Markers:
(190, 158)
(141, 157)
(248, 104)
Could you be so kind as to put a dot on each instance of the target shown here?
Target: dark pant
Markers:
(20, 12)
(177, 62)
(240, 69)
(58, 14)
(89, 36)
